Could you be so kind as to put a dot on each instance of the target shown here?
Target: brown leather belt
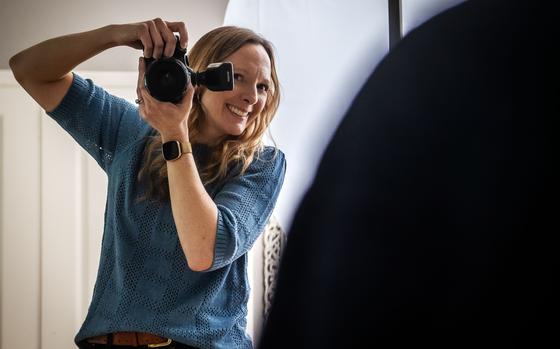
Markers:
(133, 339)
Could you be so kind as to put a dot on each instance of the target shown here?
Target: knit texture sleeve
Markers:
(245, 204)
(92, 117)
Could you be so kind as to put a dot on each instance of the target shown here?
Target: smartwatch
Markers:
(172, 150)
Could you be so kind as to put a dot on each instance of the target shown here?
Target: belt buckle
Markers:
(159, 345)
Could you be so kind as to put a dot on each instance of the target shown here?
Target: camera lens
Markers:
(167, 79)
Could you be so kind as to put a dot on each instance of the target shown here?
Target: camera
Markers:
(167, 78)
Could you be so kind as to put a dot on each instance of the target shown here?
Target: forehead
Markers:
(251, 58)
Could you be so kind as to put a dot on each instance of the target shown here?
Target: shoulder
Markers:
(268, 163)
(268, 153)
(269, 157)
(85, 95)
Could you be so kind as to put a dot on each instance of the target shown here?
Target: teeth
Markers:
(237, 111)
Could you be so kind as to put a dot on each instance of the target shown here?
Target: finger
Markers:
(186, 101)
(156, 39)
(141, 104)
(145, 38)
(141, 71)
(181, 28)
(167, 36)
(146, 104)
(149, 100)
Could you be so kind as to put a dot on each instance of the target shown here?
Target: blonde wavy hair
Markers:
(215, 46)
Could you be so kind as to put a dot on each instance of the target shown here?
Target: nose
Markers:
(250, 95)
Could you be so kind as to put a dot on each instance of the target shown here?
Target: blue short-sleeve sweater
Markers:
(144, 283)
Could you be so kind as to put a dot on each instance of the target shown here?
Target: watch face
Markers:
(171, 150)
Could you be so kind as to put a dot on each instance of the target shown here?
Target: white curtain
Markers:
(325, 50)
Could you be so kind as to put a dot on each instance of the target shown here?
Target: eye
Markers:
(263, 87)
(237, 76)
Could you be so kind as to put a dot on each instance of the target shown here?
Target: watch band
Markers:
(186, 147)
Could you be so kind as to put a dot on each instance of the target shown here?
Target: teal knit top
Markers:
(144, 283)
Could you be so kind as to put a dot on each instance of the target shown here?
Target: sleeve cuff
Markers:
(72, 99)
(222, 242)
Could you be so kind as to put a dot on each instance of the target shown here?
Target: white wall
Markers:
(27, 22)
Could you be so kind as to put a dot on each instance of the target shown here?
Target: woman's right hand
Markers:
(155, 37)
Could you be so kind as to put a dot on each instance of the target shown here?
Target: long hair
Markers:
(215, 46)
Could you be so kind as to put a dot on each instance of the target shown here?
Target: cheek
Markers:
(257, 109)
(255, 117)
(215, 101)
(261, 103)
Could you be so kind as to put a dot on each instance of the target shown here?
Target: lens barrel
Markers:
(167, 79)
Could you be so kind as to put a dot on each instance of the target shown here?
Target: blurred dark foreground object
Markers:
(433, 217)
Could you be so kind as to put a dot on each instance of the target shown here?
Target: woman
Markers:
(177, 228)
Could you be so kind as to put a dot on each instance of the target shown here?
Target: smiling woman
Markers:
(173, 267)
(252, 78)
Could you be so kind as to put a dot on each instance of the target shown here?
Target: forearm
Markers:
(194, 212)
(52, 59)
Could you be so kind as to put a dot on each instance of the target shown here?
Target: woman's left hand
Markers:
(169, 119)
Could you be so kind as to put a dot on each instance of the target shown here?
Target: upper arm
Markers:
(93, 116)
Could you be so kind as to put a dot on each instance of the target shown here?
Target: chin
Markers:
(236, 131)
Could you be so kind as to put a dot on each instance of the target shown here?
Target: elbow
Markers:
(199, 255)
(15, 66)
(199, 264)
(198, 247)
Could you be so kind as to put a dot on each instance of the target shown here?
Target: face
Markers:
(229, 112)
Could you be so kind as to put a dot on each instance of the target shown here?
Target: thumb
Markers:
(187, 98)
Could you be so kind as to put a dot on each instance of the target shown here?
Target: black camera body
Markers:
(167, 78)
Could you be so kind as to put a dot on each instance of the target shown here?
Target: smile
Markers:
(237, 111)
